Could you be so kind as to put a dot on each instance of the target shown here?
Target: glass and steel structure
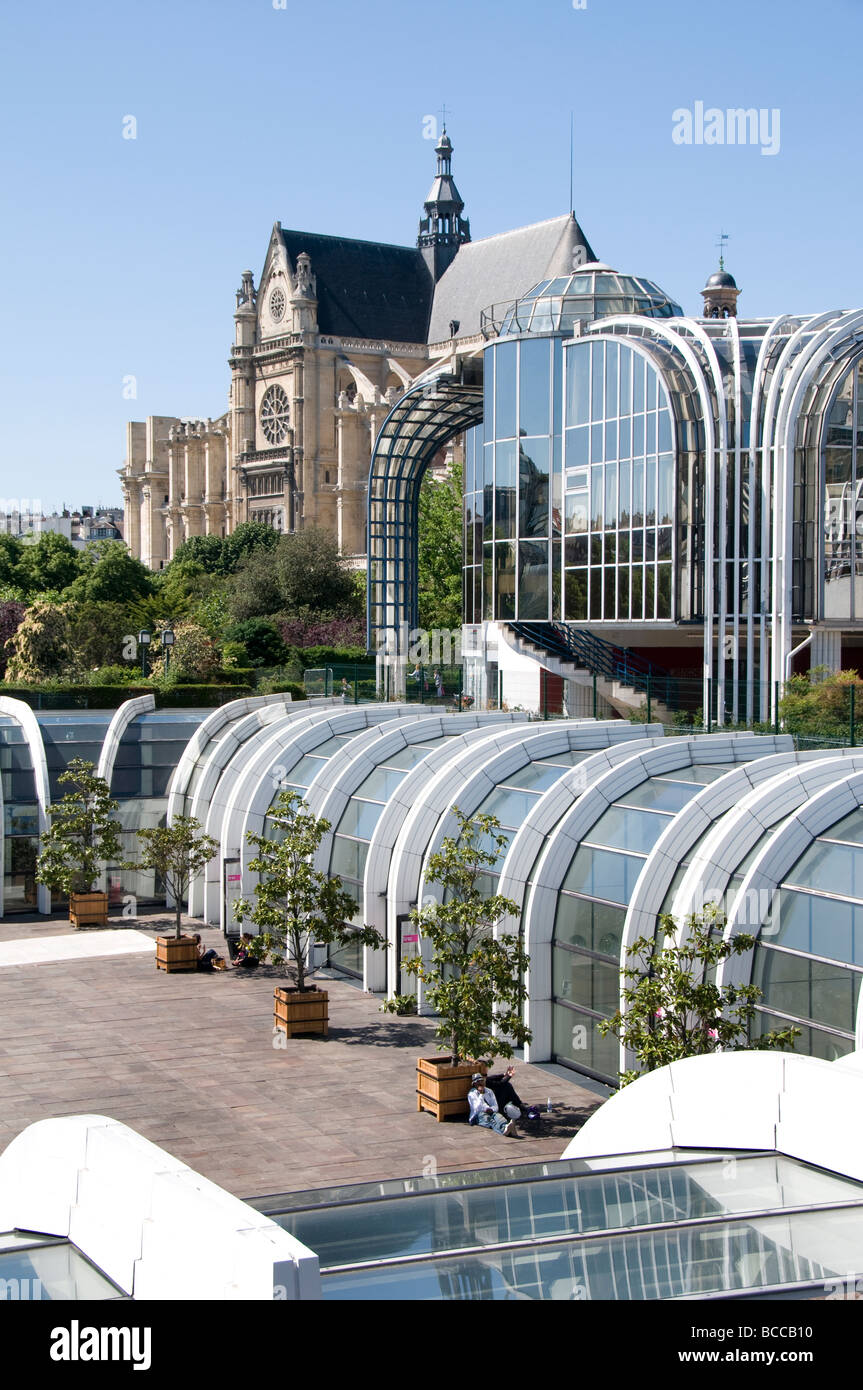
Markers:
(37, 747)
(654, 479)
(39, 1268)
(680, 1225)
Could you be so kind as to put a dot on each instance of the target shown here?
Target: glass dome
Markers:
(595, 291)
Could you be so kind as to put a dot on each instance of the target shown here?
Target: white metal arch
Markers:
(826, 344)
(667, 333)
(532, 836)
(466, 783)
(244, 796)
(562, 738)
(204, 888)
(334, 786)
(755, 442)
(26, 720)
(751, 821)
(123, 716)
(386, 835)
(704, 810)
(568, 834)
(204, 735)
(330, 793)
(777, 857)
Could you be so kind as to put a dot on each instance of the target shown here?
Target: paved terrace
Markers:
(188, 1061)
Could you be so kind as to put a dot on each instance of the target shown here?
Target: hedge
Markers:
(286, 688)
(60, 697)
(332, 656)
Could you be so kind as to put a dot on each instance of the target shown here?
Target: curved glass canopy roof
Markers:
(595, 291)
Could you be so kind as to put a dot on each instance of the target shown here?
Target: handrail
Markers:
(591, 653)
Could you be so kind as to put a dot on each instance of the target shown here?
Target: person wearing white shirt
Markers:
(483, 1108)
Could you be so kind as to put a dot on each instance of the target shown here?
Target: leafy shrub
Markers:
(330, 633)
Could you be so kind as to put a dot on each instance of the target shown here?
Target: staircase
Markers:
(622, 678)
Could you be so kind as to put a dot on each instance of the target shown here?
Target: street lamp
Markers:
(144, 639)
(167, 644)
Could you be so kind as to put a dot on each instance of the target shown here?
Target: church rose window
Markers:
(275, 414)
(277, 304)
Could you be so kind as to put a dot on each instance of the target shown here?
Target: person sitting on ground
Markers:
(207, 959)
(505, 1092)
(245, 959)
(483, 1108)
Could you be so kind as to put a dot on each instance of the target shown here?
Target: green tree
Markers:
(212, 612)
(818, 703)
(109, 574)
(11, 617)
(11, 551)
(40, 649)
(674, 1008)
(247, 538)
(208, 552)
(96, 633)
(176, 852)
(474, 981)
(50, 564)
(83, 834)
(312, 574)
(295, 904)
(194, 655)
(440, 551)
(261, 639)
(254, 591)
(180, 588)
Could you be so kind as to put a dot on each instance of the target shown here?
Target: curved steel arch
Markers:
(565, 838)
(777, 857)
(29, 725)
(442, 404)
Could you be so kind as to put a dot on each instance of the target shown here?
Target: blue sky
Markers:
(121, 256)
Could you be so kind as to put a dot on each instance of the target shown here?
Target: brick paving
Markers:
(188, 1061)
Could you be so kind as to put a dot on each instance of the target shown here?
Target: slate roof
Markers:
(500, 268)
(366, 289)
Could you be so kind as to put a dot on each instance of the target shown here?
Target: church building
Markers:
(324, 345)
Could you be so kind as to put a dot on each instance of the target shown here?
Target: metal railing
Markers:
(590, 653)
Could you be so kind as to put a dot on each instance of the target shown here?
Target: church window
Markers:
(275, 414)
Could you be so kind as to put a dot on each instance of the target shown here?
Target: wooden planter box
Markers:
(306, 1012)
(88, 909)
(173, 954)
(443, 1089)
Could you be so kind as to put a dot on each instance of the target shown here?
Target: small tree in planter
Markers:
(474, 981)
(675, 1009)
(176, 852)
(82, 838)
(295, 906)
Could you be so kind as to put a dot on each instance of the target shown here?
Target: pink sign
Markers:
(235, 878)
(410, 938)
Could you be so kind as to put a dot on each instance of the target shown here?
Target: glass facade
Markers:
(36, 1268)
(581, 486)
(591, 911)
(843, 501)
(696, 1228)
(20, 819)
(148, 753)
(513, 486)
(621, 487)
(810, 965)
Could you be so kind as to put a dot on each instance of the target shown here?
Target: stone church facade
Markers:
(334, 332)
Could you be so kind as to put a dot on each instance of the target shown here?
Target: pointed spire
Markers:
(443, 229)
